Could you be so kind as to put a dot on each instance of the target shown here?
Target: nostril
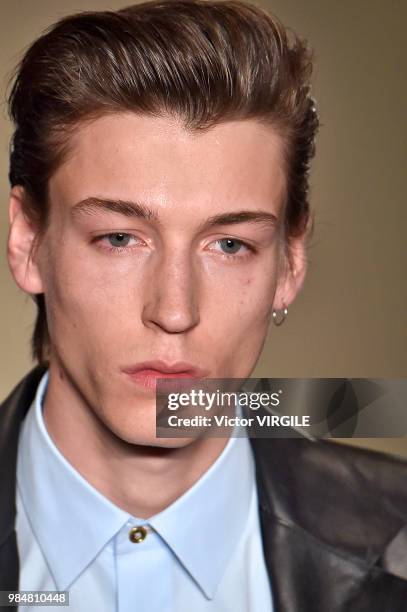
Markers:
(171, 318)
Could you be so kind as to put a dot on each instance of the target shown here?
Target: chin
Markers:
(158, 443)
(134, 435)
(170, 442)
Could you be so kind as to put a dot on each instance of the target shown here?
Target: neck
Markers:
(142, 480)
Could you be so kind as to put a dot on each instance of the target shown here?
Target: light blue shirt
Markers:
(202, 553)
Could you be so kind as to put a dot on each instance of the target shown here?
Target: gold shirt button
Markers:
(137, 534)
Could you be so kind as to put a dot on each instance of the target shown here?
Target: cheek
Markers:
(90, 300)
(238, 316)
(237, 331)
(242, 297)
(256, 295)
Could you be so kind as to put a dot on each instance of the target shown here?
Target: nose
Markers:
(172, 295)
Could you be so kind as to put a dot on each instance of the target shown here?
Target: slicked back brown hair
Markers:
(203, 61)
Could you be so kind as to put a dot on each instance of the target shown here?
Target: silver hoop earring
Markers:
(280, 316)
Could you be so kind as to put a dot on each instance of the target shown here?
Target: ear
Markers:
(292, 273)
(20, 246)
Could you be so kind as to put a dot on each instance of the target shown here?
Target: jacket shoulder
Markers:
(348, 498)
(20, 398)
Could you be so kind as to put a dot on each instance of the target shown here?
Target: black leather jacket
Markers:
(333, 518)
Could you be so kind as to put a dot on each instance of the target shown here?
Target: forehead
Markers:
(125, 156)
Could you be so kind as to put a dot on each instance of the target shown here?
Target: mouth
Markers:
(147, 373)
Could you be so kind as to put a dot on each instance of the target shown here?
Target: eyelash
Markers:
(250, 250)
(112, 249)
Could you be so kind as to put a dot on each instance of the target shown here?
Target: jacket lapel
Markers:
(12, 412)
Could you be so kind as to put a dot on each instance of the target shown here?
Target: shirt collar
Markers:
(203, 525)
(200, 527)
(57, 500)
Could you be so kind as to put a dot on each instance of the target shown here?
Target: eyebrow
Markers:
(243, 216)
(93, 205)
(140, 210)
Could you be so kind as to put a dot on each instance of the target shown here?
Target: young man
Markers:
(159, 216)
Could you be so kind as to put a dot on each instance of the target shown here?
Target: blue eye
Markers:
(119, 240)
(230, 245)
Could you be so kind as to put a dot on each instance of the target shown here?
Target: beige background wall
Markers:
(351, 319)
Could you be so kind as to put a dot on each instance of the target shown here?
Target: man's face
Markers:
(187, 278)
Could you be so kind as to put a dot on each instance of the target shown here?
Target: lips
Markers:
(148, 372)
